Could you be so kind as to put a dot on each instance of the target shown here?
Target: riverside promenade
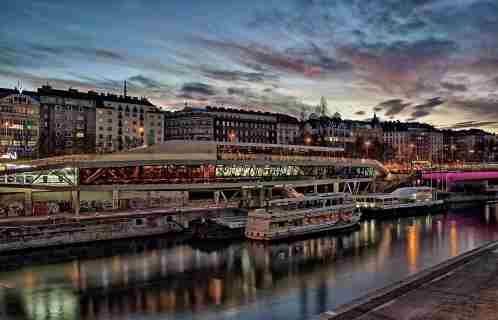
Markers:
(464, 287)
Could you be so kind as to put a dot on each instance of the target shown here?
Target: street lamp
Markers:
(307, 140)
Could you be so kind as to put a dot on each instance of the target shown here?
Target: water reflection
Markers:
(242, 280)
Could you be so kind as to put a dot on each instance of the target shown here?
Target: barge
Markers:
(303, 215)
(38, 232)
(407, 201)
(220, 228)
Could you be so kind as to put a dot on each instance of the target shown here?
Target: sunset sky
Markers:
(419, 60)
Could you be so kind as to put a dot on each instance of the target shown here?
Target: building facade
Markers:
(125, 122)
(189, 124)
(232, 125)
(289, 129)
(474, 145)
(410, 142)
(67, 121)
(326, 131)
(19, 124)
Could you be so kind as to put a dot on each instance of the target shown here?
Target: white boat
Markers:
(291, 217)
(409, 200)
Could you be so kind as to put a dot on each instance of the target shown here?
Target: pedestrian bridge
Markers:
(190, 163)
(451, 178)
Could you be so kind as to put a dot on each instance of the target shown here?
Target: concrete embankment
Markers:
(466, 285)
(457, 198)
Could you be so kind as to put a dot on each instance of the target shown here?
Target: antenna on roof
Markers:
(124, 89)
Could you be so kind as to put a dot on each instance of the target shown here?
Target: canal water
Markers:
(174, 279)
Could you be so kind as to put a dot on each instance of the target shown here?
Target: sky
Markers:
(433, 61)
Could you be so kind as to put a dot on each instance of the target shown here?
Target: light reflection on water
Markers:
(241, 280)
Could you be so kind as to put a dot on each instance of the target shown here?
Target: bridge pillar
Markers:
(148, 200)
(336, 187)
(75, 197)
(315, 188)
(28, 203)
(261, 196)
(245, 198)
(216, 196)
(115, 199)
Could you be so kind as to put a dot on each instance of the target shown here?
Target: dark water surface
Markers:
(159, 279)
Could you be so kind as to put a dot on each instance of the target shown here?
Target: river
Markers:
(173, 279)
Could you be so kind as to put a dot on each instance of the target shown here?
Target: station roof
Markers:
(189, 153)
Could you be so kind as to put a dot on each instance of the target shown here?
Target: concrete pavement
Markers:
(464, 288)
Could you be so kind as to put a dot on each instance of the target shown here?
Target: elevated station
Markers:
(183, 170)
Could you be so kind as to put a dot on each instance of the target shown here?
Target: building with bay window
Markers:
(19, 124)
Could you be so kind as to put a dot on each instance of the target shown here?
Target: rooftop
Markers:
(47, 90)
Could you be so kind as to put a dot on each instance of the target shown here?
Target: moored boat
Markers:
(299, 216)
(37, 232)
(402, 202)
(220, 228)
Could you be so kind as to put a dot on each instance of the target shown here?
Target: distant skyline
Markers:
(422, 60)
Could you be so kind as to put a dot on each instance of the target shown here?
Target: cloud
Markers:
(308, 61)
(65, 51)
(198, 88)
(479, 107)
(429, 104)
(237, 75)
(238, 91)
(392, 107)
(403, 67)
(83, 83)
(419, 114)
(473, 124)
(145, 82)
(360, 113)
(454, 86)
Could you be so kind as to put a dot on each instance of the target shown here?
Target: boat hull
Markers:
(318, 229)
(26, 235)
(212, 231)
(377, 213)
